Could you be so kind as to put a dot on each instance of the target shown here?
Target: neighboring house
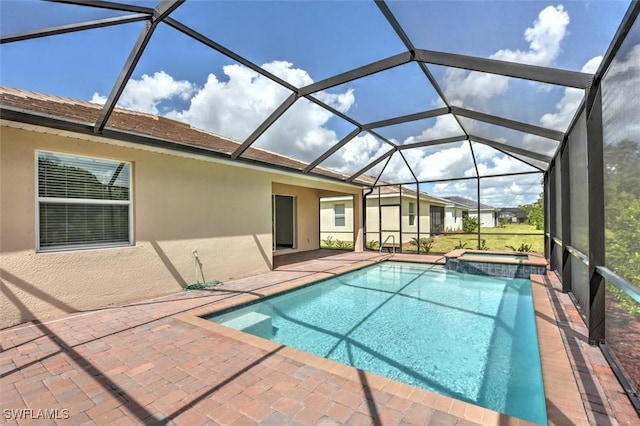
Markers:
(513, 214)
(488, 214)
(336, 219)
(387, 214)
(93, 220)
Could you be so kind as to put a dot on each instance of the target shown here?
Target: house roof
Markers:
(471, 204)
(515, 210)
(153, 126)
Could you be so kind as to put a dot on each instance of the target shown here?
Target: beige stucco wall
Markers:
(327, 220)
(390, 218)
(181, 203)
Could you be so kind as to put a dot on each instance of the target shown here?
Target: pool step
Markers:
(253, 322)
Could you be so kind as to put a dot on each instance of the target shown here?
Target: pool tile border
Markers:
(561, 391)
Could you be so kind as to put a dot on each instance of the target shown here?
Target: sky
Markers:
(307, 41)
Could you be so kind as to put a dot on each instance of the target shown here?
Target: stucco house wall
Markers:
(487, 217)
(328, 228)
(391, 220)
(181, 202)
(453, 218)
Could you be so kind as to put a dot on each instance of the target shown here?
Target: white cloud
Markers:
(544, 38)
(235, 106)
(445, 126)
(565, 110)
(507, 191)
(356, 154)
(148, 92)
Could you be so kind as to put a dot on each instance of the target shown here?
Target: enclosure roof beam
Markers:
(356, 73)
(332, 150)
(64, 29)
(409, 45)
(162, 11)
(108, 5)
(284, 106)
(125, 74)
(511, 124)
(371, 165)
(547, 75)
(382, 138)
(406, 118)
(528, 163)
(433, 142)
(165, 8)
(228, 53)
(512, 149)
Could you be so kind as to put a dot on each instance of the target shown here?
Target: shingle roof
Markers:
(471, 204)
(146, 124)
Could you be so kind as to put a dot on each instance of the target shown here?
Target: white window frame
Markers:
(54, 200)
(412, 213)
(342, 216)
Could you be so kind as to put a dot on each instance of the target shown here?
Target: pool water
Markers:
(494, 256)
(469, 337)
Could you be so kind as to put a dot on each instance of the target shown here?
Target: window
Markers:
(412, 214)
(338, 212)
(82, 202)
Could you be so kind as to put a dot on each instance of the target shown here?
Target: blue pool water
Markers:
(466, 336)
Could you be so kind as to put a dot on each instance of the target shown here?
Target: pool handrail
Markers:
(393, 241)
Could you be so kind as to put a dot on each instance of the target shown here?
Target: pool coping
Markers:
(533, 259)
(556, 370)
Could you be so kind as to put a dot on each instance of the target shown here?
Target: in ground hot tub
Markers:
(497, 264)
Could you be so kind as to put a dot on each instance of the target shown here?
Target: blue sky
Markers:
(306, 41)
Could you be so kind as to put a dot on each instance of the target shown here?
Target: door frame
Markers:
(274, 245)
(398, 231)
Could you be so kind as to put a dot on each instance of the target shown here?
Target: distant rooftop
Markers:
(471, 204)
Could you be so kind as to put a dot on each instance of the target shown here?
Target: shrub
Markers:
(469, 223)
(483, 245)
(502, 222)
(425, 244)
(460, 245)
(328, 242)
(372, 245)
(523, 248)
(343, 244)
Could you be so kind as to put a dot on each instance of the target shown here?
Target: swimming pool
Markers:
(465, 336)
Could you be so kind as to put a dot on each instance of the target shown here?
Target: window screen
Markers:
(412, 214)
(338, 211)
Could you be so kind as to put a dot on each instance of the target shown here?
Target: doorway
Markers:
(390, 227)
(437, 220)
(283, 222)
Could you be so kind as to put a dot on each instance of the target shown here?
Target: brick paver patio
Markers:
(142, 364)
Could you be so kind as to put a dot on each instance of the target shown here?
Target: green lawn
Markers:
(446, 243)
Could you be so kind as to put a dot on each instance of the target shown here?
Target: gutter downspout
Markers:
(364, 214)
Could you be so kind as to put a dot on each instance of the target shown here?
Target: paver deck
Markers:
(152, 362)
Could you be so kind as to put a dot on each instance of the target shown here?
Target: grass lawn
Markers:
(446, 243)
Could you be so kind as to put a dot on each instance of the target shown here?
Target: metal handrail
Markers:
(627, 286)
(393, 238)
